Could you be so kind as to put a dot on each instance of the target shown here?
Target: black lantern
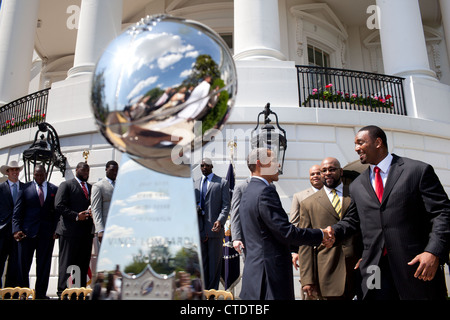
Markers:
(45, 151)
(270, 138)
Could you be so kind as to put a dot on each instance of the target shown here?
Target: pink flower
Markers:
(328, 86)
(375, 98)
(354, 95)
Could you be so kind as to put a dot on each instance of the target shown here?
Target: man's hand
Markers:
(83, 215)
(216, 227)
(328, 237)
(19, 235)
(238, 246)
(311, 291)
(428, 265)
(295, 260)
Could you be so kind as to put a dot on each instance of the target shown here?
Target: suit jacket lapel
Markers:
(365, 181)
(213, 180)
(325, 202)
(345, 200)
(395, 171)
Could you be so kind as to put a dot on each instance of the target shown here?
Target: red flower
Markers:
(388, 96)
(328, 85)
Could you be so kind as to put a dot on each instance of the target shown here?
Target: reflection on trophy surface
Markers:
(158, 90)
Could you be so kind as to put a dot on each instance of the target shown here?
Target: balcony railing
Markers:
(350, 90)
(24, 113)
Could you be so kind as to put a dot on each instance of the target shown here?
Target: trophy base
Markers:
(151, 242)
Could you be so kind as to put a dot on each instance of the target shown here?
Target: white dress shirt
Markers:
(384, 166)
(339, 190)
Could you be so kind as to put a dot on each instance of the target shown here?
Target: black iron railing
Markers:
(24, 113)
(351, 90)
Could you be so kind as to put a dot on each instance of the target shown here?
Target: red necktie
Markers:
(379, 191)
(85, 190)
(41, 195)
(378, 183)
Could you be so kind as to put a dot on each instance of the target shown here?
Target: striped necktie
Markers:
(336, 202)
(41, 195)
(86, 193)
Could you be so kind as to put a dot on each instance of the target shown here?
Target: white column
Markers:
(100, 22)
(17, 31)
(257, 30)
(445, 13)
(402, 39)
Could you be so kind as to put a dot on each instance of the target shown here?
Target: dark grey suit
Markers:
(217, 207)
(8, 247)
(75, 241)
(413, 217)
(235, 219)
(268, 235)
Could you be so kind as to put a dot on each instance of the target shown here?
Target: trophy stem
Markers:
(151, 238)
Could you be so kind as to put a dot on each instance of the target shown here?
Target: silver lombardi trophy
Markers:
(160, 91)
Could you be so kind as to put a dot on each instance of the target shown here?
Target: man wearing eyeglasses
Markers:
(213, 205)
(328, 273)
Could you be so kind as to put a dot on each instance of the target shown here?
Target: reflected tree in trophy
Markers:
(161, 90)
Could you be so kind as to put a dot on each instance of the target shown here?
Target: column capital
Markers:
(402, 39)
(100, 21)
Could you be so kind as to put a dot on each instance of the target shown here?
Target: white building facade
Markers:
(53, 45)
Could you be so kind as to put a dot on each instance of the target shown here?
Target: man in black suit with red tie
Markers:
(75, 228)
(403, 213)
(34, 224)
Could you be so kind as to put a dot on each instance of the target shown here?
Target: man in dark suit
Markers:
(403, 213)
(34, 224)
(9, 193)
(213, 199)
(268, 234)
(75, 227)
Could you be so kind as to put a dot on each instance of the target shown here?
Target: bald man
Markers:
(324, 273)
(212, 194)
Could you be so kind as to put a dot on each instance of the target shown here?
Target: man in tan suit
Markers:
(328, 273)
(316, 185)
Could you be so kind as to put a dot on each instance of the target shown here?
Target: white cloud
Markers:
(169, 60)
(192, 54)
(186, 73)
(140, 86)
(116, 231)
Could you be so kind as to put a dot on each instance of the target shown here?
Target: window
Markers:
(318, 57)
(228, 38)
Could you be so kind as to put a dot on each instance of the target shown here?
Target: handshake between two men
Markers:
(328, 237)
